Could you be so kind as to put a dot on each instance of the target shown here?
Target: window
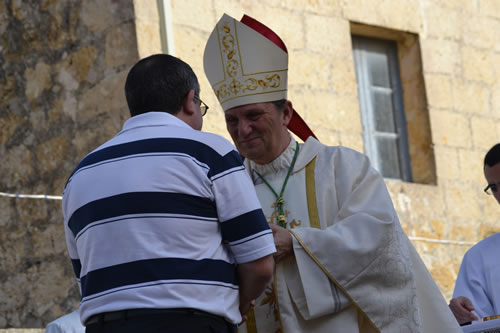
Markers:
(393, 103)
(382, 112)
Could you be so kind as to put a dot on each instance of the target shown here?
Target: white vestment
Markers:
(354, 269)
(479, 276)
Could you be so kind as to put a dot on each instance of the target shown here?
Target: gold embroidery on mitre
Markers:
(237, 83)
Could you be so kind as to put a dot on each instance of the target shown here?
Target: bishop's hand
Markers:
(282, 241)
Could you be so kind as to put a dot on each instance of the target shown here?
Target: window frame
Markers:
(361, 47)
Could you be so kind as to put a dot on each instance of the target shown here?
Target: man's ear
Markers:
(287, 112)
(188, 105)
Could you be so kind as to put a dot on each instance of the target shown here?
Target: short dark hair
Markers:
(279, 104)
(159, 83)
(492, 156)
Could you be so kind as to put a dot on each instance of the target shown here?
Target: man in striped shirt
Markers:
(163, 226)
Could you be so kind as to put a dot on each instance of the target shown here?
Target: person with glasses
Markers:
(477, 289)
(343, 262)
(163, 225)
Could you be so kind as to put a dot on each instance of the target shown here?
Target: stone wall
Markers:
(63, 64)
(62, 70)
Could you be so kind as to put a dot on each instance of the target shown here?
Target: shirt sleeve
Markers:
(244, 227)
(470, 281)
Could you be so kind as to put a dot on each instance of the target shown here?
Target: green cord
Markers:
(279, 198)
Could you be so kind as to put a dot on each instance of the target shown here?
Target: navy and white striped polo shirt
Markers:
(158, 216)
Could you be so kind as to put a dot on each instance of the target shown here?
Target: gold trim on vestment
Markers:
(312, 207)
(490, 318)
(251, 322)
(334, 281)
(314, 223)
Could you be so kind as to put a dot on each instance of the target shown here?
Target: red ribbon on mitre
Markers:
(297, 125)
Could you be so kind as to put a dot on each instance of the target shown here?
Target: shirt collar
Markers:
(153, 119)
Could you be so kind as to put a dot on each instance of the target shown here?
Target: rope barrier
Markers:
(58, 197)
(440, 241)
(31, 196)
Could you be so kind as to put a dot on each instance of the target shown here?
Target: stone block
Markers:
(443, 22)
(96, 15)
(4, 17)
(51, 153)
(50, 241)
(326, 136)
(9, 123)
(20, 10)
(195, 14)
(12, 246)
(486, 231)
(471, 165)
(37, 80)
(80, 62)
(489, 8)
(478, 65)
(287, 24)
(147, 29)
(461, 201)
(47, 286)
(8, 90)
(340, 113)
(482, 32)
(353, 141)
(471, 97)
(394, 14)
(328, 35)
(121, 46)
(440, 56)
(321, 7)
(343, 76)
(90, 104)
(191, 52)
(439, 91)
(447, 162)
(495, 98)
(488, 204)
(309, 69)
(236, 9)
(16, 167)
(416, 201)
(444, 278)
(450, 128)
(467, 6)
(484, 132)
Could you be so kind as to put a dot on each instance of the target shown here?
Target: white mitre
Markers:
(247, 63)
(243, 66)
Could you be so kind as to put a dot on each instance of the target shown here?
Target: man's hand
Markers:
(244, 309)
(462, 309)
(282, 241)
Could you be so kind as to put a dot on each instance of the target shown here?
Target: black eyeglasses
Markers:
(203, 106)
(491, 189)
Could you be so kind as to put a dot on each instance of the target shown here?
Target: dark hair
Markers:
(492, 156)
(279, 104)
(159, 83)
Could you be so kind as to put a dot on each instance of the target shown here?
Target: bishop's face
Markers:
(492, 175)
(259, 130)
